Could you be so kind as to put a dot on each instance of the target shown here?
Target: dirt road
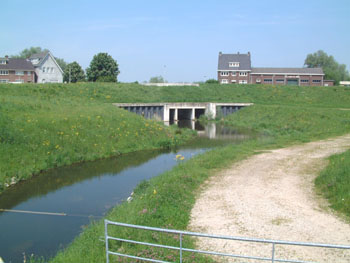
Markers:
(271, 195)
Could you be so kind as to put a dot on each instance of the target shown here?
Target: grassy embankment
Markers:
(334, 183)
(288, 115)
(45, 126)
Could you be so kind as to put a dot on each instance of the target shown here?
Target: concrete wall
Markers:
(172, 111)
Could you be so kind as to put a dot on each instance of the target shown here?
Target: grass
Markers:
(283, 115)
(176, 190)
(334, 183)
(42, 127)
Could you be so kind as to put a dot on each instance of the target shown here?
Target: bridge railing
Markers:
(182, 249)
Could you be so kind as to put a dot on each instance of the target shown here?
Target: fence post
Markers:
(180, 247)
(273, 253)
(106, 240)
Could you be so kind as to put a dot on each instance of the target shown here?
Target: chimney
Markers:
(248, 53)
(7, 57)
(220, 53)
(238, 53)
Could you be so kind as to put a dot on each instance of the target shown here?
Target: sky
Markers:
(179, 40)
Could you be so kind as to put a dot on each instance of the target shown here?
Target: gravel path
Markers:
(271, 195)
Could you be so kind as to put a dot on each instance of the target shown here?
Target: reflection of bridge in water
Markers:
(181, 111)
(210, 130)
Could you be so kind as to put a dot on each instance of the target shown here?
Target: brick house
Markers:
(16, 70)
(236, 68)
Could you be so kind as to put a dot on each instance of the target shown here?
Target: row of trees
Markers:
(102, 68)
(105, 69)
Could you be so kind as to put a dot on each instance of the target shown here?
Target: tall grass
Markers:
(334, 182)
(42, 127)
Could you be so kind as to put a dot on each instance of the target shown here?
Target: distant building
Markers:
(47, 69)
(16, 70)
(344, 83)
(236, 68)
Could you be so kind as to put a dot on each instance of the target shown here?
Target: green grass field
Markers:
(334, 183)
(282, 115)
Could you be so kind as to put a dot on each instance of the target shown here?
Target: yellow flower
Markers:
(48, 152)
(154, 191)
(57, 146)
(77, 133)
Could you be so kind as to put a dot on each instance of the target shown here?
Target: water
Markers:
(85, 192)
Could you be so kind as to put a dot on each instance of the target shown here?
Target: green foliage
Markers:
(61, 63)
(212, 81)
(157, 79)
(73, 73)
(283, 115)
(334, 182)
(50, 125)
(106, 79)
(26, 53)
(332, 69)
(103, 67)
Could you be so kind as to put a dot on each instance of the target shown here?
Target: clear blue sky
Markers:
(178, 39)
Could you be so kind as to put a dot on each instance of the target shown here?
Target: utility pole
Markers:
(69, 74)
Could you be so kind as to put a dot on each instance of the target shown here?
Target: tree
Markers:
(157, 79)
(103, 68)
(331, 68)
(26, 53)
(212, 81)
(61, 63)
(73, 73)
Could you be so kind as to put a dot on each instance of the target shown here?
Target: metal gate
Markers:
(182, 249)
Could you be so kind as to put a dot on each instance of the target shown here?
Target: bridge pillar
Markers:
(193, 115)
(166, 113)
(176, 118)
(210, 110)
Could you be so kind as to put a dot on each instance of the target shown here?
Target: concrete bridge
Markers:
(181, 111)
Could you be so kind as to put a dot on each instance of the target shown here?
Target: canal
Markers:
(44, 214)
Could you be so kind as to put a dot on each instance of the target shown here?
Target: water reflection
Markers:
(84, 191)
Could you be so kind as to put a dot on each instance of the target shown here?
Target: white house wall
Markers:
(48, 76)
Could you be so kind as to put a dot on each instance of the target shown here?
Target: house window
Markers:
(280, 80)
(243, 73)
(224, 73)
(19, 73)
(243, 82)
(233, 73)
(29, 73)
(52, 70)
(267, 80)
(4, 72)
(224, 81)
(2, 61)
(233, 81)
(43, 69)
(316, 81)
(4, 80)
(233, 64)
(304, 81)
(19, 81)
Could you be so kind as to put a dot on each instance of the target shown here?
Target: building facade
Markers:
(47, 69)
(16, 70)
(236, 68)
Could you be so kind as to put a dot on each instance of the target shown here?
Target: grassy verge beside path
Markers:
(334, 183)
(166, 201)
